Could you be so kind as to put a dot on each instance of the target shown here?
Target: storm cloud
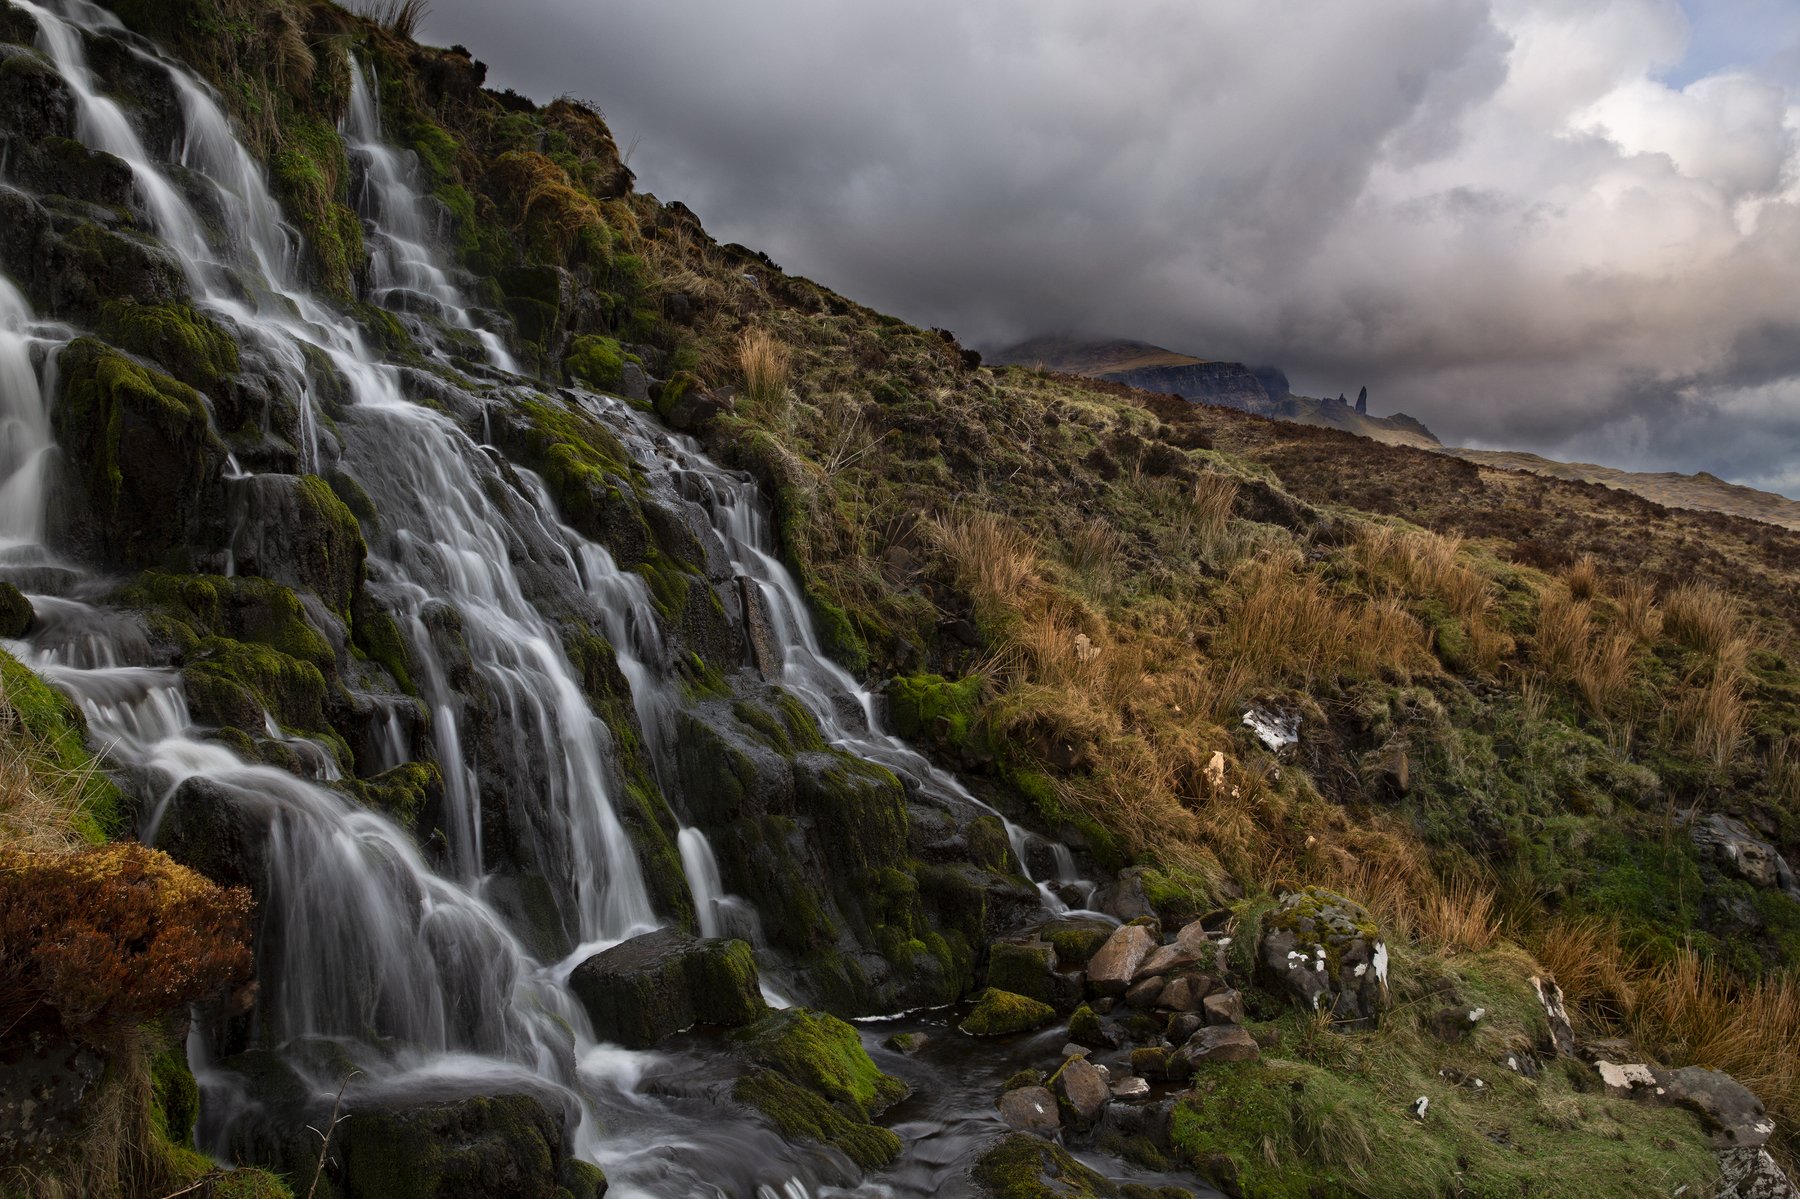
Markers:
(1570, 226)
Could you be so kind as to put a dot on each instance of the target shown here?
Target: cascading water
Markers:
(409, 969)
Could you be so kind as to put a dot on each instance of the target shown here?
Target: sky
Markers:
(1566, 226)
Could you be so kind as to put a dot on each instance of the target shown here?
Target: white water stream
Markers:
(406, 970)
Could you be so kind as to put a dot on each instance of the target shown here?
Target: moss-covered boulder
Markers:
(473, 1148)
(644, 989)
(1024, 968)
(1000, 1013)
(1326, 953)
(808, 1072)
(186, 343)
(298, 532)
(1022, 1166)
(15, 611)
(144, 461)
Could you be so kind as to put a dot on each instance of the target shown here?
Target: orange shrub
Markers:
(113, 935)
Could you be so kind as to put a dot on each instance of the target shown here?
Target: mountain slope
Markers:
(1227, 384)
(1703, 492)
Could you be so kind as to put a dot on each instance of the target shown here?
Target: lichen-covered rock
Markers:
(1000, 1013)
(1742, 853)
(1326, 953)
(644, 989)
(1733, 1115)
(1754, 1174)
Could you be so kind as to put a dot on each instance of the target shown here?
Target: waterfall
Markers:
(409, 969)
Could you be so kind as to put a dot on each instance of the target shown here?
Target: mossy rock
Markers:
(1022, 1166)
(311, 174)
(801, 1115)
(596, 361)
(187, 344)
(190, 608)
(143, 455)
(644, 989)
(1000, 1013)
(15, 611)
(931, 708)
(1023, 968)
(472, 1148)
(825, 1056)
(403, 792)
(233, 683)
(1077, 940)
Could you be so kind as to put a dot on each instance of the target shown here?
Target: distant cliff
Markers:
(1261, 390)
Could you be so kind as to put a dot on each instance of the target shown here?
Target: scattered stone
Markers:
(1112, 967)
(998, 1013)
(1085, 1029)
(1551, 996)
(1083, 1089)
(1124, 898)
(1074, 1050)
(1227, 1007)
(1732, 1115)
(15, 611)
(1131, 1087)
(1185, 994)
(1183, 1025)
(644, 989)
(1144, 994)
(1166, 959)
(908, 1043)
(1152, 1061)
(1221, 1043)
(1326, 952)
(1031, 1109)
(1753, 1174)
(1277, 731)
(1023, 967)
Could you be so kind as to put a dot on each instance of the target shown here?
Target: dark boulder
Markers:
(644, 989)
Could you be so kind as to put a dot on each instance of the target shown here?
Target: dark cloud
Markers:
(1492, 212)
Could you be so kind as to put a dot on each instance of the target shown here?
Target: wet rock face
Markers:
(1326, 953)
(462, 1149)
(44, 1083)
(645, 989)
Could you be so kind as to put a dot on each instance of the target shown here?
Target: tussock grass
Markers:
(1286, 628)
(993, 559)
(1583, 578)
(1638, 612)
(41, 801)
(764, 366)
(1583, 954)
(1702, 617)
(401, 18)
(1714, 718)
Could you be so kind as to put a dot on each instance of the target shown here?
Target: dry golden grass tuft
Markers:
(40, 801)
(1696, 1012)
(1702, 617)
(1285, 628)
(1784, 769)
(1583, 578)
(1714, 717)
(994, 560)
(1584, 956)
(764, 365)
(1093, 553)
(1603, 675)
(1638, 613)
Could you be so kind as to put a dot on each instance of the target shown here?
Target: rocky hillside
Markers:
(1262, 391)
(506, 694)
(1703, 492)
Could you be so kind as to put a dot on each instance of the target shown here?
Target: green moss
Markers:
(800, 1114)
(1022, 969)
(374, 633)
(142, 442)
(56, 725)
(1076, 943)
(246, 1183)
(187, 344)
(1000, 1013)
(1179, 896)
(331, 544)
(1021, 1166)
(194, 607)
(825, 1056)
(596, 361)
(402, 791)
(931, 707)
(311, 174)
(1084, 1026)
(234, 682)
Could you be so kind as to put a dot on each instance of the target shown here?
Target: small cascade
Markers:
(407, 273)
(26, 446)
